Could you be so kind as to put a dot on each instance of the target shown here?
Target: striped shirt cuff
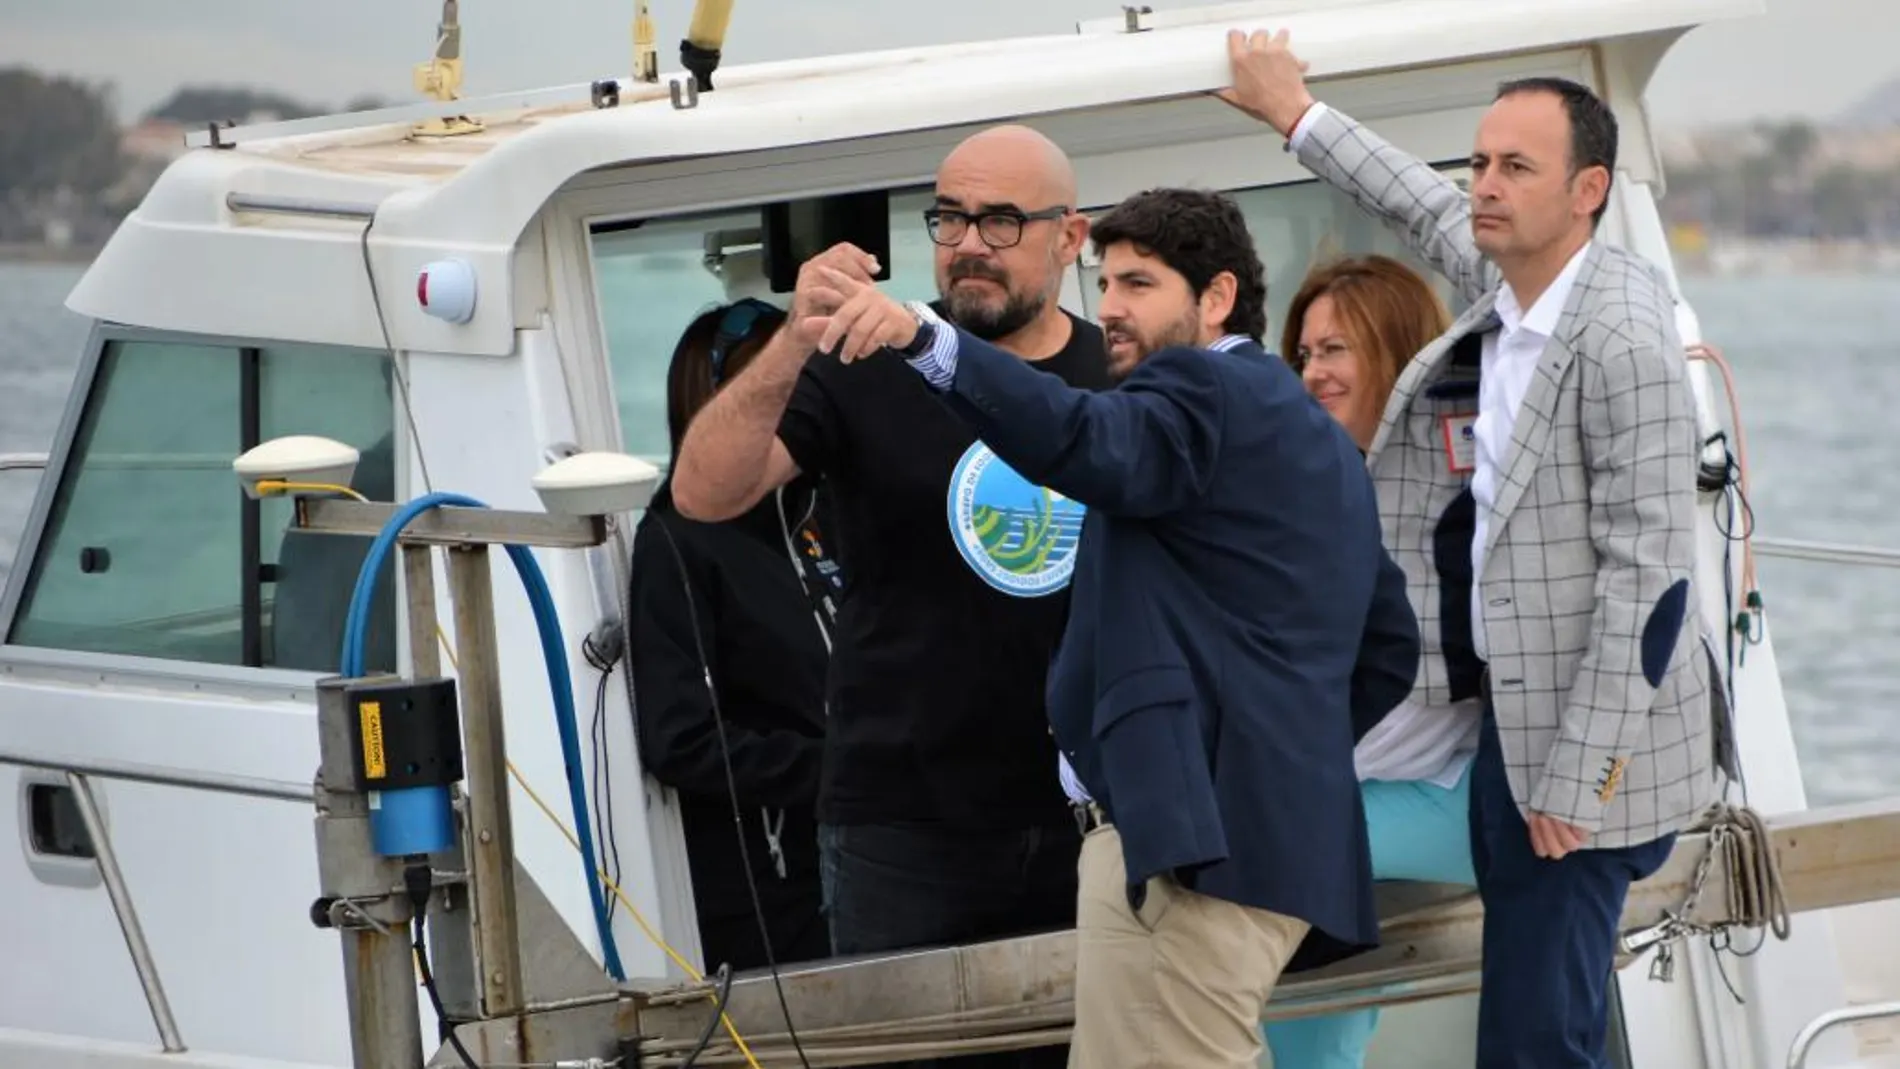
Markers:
(938, 364)
(1071, 783)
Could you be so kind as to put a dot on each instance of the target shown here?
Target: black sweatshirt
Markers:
(767, 656)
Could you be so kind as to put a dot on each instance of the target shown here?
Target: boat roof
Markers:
(479, 191)
(535, 146)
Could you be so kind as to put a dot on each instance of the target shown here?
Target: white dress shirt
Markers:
(1071, 783)
(1509, 364)
(1415, 742)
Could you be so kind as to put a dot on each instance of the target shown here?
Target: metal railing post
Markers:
(128, 917)
(76, 772)
(1804, 1040)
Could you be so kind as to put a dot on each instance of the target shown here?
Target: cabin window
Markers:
(149, 548)
(1295, 227)
(654, 277)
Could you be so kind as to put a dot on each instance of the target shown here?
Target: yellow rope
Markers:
(633, 910)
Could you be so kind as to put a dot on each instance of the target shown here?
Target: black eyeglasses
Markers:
(1000, 229)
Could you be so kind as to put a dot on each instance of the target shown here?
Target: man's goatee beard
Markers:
(991, 324)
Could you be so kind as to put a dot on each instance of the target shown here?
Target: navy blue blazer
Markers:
(1235, 623)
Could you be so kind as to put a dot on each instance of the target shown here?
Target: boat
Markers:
(471, 293)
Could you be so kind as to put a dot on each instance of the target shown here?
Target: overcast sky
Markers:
(1805, 57)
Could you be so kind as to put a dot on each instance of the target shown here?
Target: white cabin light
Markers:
(596, 484)
(446, 290)
(302, 459)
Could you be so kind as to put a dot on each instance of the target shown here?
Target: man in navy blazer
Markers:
(1235, 625)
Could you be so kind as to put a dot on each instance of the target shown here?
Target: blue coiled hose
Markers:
(356, 625)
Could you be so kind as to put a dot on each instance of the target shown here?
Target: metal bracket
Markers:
(1131, 16)
(605, 93)
(685, 93)
(718, 244)
(142, 961)
(452, 525)
(555, 966)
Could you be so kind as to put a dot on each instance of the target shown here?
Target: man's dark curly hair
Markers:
(1198, 233)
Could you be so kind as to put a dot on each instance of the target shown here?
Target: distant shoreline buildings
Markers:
(1699, 253)
(70, 171)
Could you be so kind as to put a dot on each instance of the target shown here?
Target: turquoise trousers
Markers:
(1419, 831)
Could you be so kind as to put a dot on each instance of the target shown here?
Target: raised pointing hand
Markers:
(864, 318)
(844, 258)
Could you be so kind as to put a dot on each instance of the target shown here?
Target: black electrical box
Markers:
(405, 733)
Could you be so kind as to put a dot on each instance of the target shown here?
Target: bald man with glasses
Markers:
(941, 816)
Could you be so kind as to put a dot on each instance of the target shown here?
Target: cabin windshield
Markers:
(1297, 225)
(141, 544)
(655, 277)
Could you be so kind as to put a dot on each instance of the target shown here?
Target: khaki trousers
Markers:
(1180, 985)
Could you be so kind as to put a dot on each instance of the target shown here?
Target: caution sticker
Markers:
(375, 764)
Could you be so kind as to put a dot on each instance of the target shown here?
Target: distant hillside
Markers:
(1879, 108)
(198, 105)
(69, 172)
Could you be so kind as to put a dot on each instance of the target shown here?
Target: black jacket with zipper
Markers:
(767, 657)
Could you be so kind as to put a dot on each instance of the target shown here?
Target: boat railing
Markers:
(124, 461)
(79, 775)
(216, 782)
(1829, 552)
(1810, 1032)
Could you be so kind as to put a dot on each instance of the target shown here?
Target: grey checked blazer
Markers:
(1588, 590)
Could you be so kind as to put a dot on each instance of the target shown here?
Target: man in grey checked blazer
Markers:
(1536, 479)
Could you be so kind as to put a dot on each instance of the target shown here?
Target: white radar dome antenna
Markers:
(596, 484)
(299, 459)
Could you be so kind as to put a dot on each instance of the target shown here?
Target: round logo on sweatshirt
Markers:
(1019, 537)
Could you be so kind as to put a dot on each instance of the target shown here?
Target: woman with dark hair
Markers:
(743, 605)
(1350, 330)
